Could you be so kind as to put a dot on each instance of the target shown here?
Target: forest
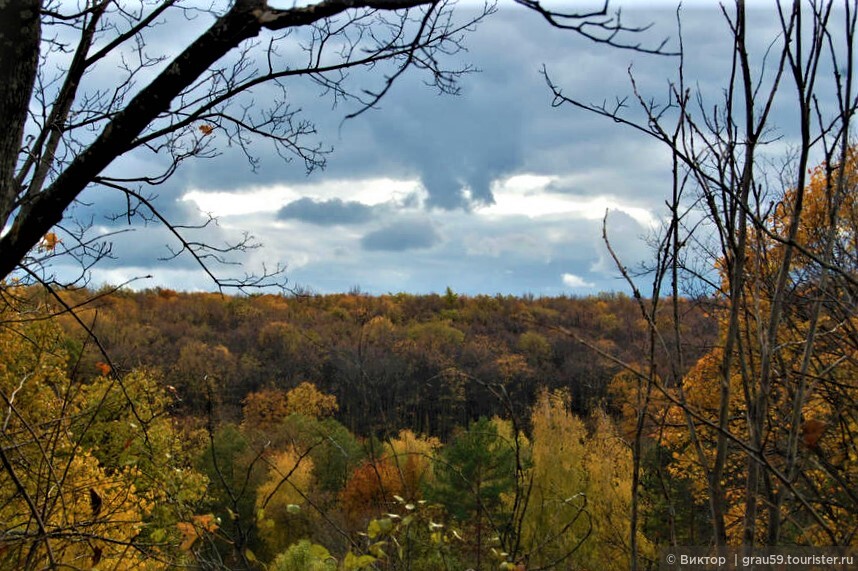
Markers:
(406, 431)
(159, 428)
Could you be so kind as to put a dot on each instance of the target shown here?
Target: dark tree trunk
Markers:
(20, 34)
(19, 24)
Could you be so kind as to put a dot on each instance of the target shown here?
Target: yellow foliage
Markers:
(51, 483)
(412, 456)
(379, 329)
(608, 464)
(807, 432)
(306, 399)
(80, 466)
(559, 479)
(267, 408)
(280, 506)
(580, 479)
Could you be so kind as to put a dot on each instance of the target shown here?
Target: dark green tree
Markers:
(472, 475)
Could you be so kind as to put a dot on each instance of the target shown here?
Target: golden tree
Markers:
(799, 424)
(93, 472)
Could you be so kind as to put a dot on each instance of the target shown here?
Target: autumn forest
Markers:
(431, 430)
(155, 428)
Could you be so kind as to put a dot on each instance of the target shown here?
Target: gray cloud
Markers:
(502, 124)
(327, 212)
(458, 145)
(432, 270)
(402, 235)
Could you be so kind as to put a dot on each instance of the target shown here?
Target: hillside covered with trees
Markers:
(418, 432)
(427, 363)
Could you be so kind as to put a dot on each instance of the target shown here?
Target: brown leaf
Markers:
(811, 431)
(49, 242)
(189, 534)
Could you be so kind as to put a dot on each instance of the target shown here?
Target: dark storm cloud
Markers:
(455, 144)
(500, 124)
(458, 145)
(327, 212)
(452, 143)
(401, 236)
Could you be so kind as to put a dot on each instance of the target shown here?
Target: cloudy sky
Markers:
(491, 191)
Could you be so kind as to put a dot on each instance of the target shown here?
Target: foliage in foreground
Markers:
(94, 471)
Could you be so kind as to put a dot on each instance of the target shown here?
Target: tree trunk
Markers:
(20, 34)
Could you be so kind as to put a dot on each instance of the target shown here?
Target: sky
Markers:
(491, 191)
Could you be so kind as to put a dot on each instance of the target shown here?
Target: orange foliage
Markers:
(49, 242)
(370, 489)
(402, 471)
(193, 530)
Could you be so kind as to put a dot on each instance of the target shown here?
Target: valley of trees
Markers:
(350, 431)
(426, 363)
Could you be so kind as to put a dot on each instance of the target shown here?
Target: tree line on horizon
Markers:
(425, 362)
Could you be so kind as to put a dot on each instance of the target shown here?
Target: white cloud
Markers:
(571, 280)
(369, 191)
(533, 196)
(138, 278)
